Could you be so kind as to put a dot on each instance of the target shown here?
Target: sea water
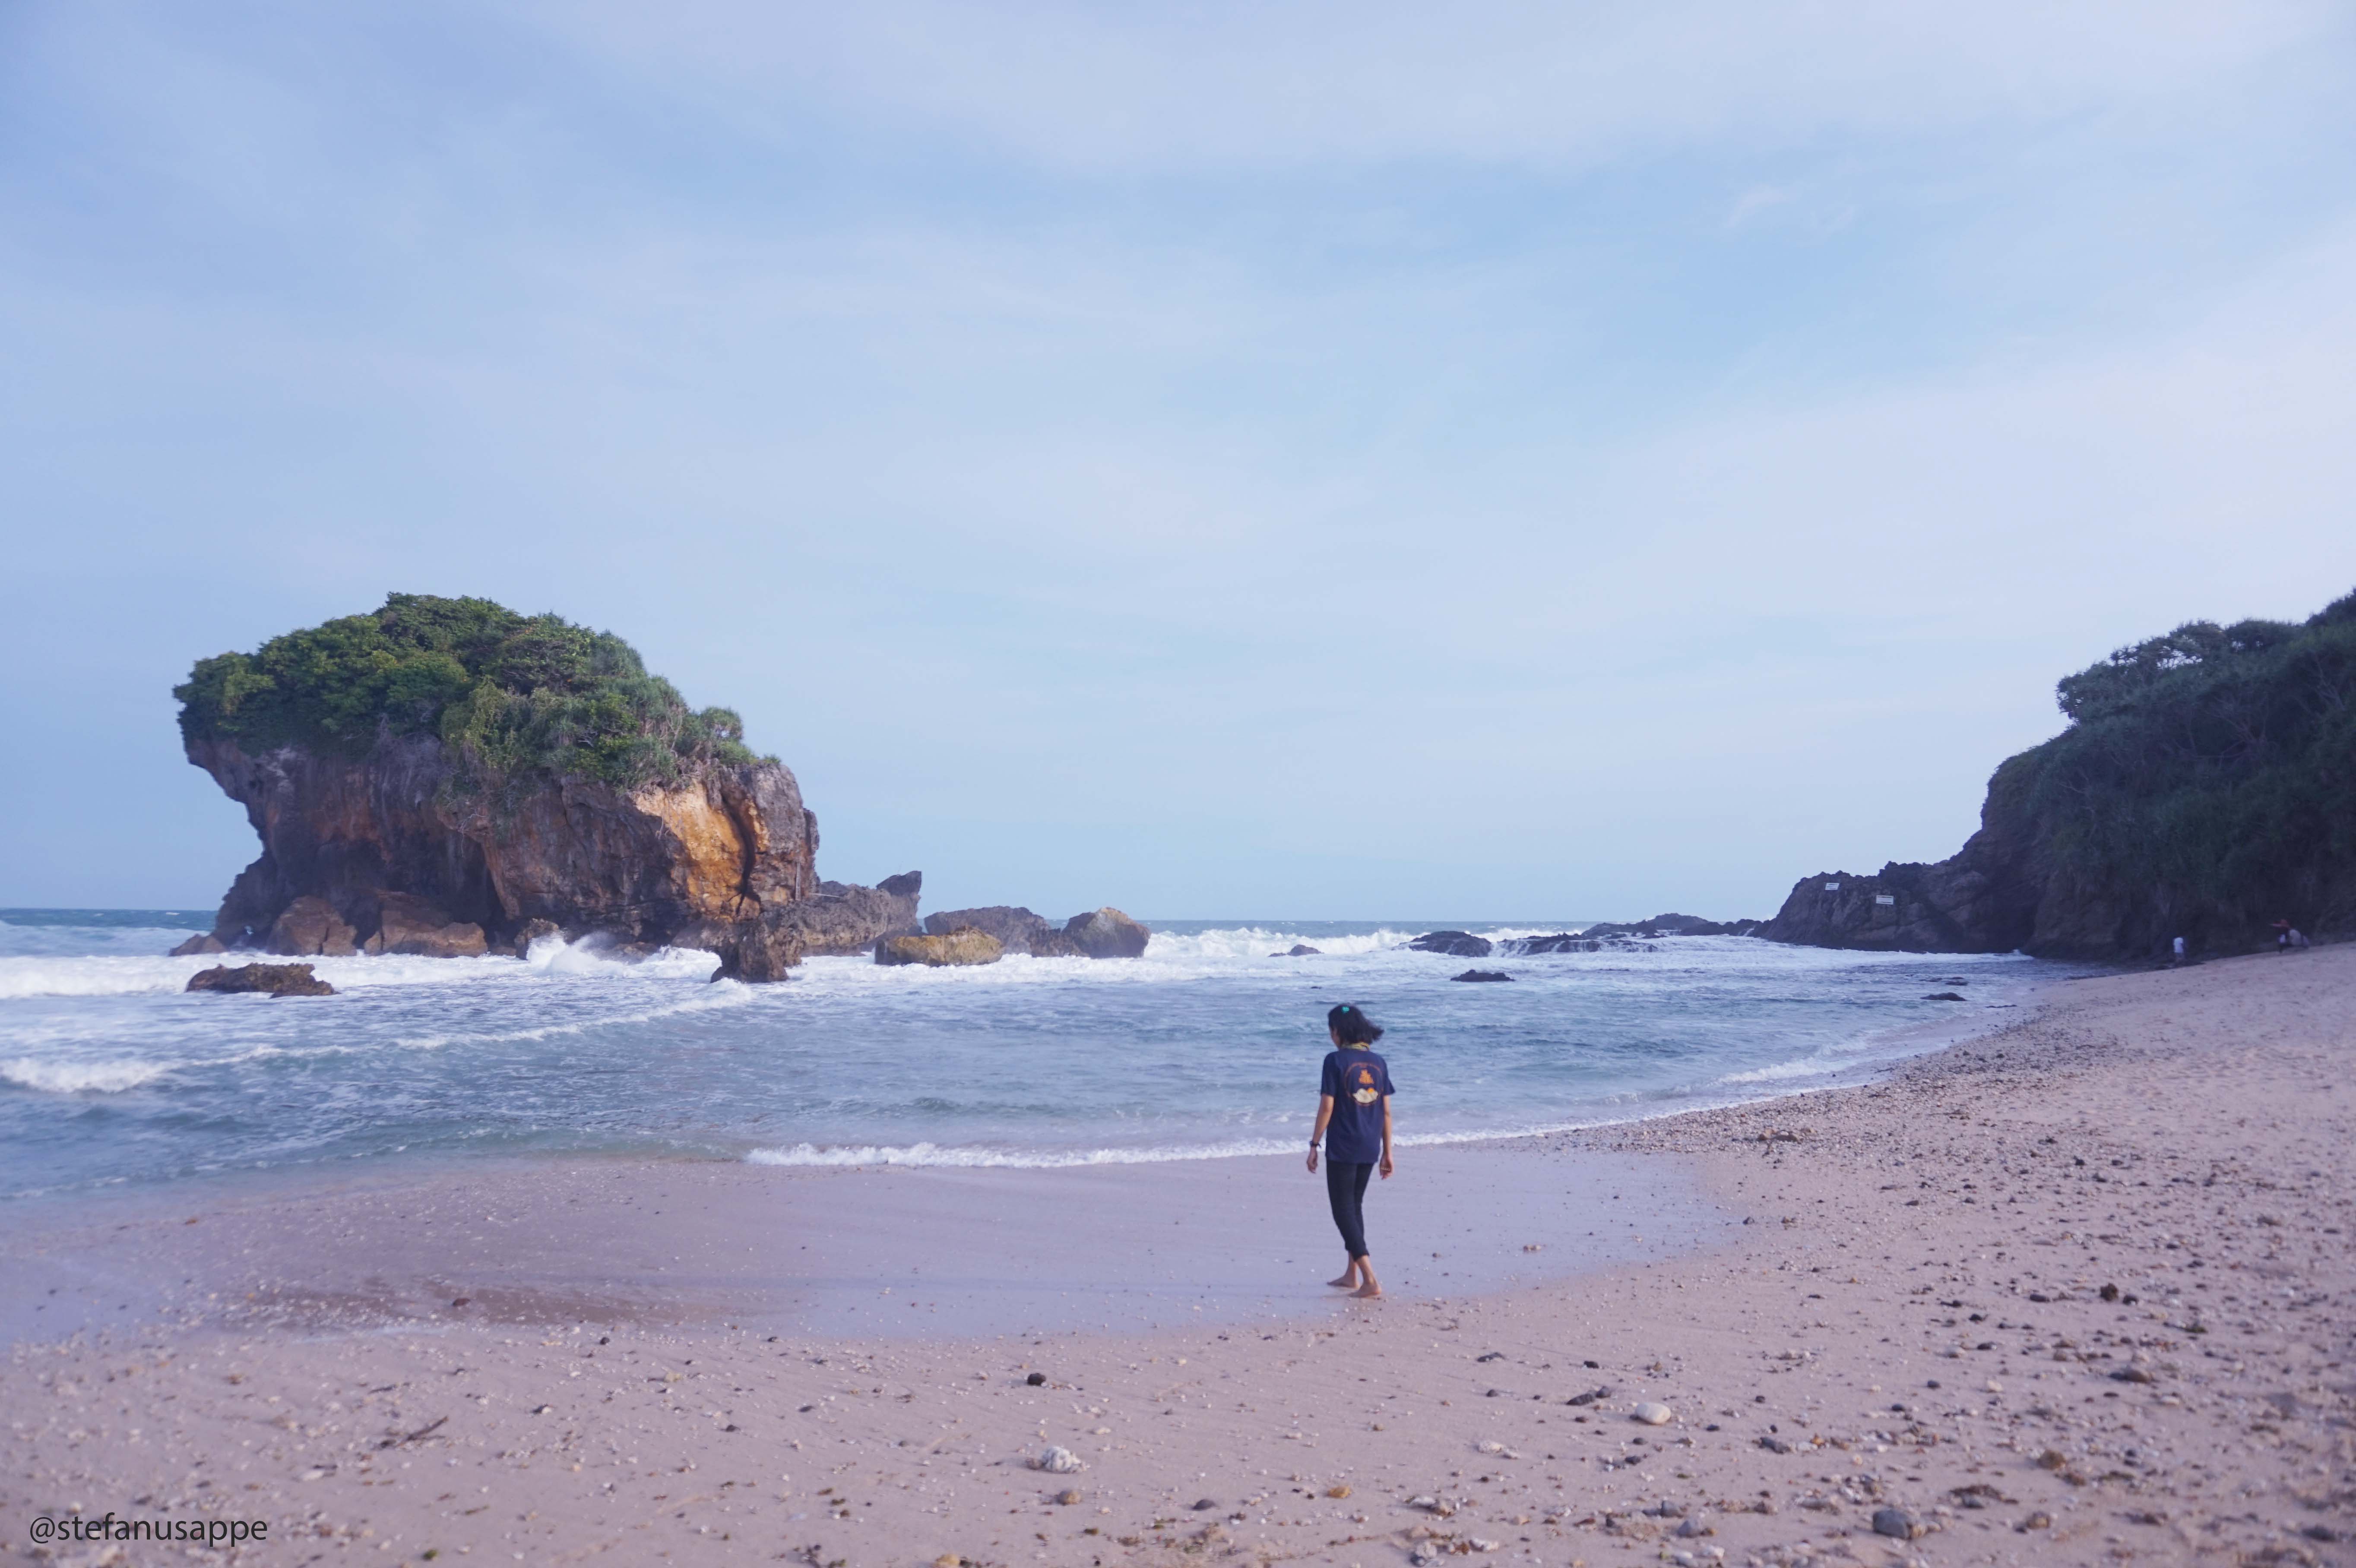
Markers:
(111, 1075)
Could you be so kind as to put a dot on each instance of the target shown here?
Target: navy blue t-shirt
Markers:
(1359, 1081)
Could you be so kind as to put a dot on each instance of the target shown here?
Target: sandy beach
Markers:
(2076, 1291)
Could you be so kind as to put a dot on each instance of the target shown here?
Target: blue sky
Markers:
(1314, 459)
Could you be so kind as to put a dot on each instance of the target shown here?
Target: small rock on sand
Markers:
(1056, 1461)
(1897, 1522)
(1652, 1415)
(1068, 1496)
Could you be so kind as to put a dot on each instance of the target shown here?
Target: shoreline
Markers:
(1907, 1314)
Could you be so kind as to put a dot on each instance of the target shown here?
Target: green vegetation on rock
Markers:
(511, 695)
(2210, 773)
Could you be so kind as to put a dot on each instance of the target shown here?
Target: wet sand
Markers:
(900, 1253)
(2078, 1292)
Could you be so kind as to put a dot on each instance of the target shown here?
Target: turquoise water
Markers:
(111, 1075)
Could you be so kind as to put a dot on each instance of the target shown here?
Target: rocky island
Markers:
(448, 776)
(2205, 788)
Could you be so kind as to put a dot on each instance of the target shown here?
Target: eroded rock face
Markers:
(311, 925)
(1983, 899)
(393, 852)
(964, 946)
(1099, 933)
(274, 979)
(407, 923)
(1018, 930)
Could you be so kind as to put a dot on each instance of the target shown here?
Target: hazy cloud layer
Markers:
(1511, 461)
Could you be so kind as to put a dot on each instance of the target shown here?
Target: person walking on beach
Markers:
(1354, 1123)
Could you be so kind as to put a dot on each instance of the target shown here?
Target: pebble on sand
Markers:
(1651, 1414)
(1056, 1461)
(1897, 1522)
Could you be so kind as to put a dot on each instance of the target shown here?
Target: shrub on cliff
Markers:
(511, 695)
(2207, 779)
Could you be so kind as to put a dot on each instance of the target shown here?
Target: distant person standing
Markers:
(1354, 1123)
(2177, 955)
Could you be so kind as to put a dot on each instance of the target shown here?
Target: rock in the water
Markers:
(1058, 1461)
(690, 839)
(204, 941)
(1943, 996)
(1297, 950)
(1560, 941)
(310, 925)
(1099, 933)
(274, 979)
(409, 924)
(1453, 943)
(1897, 1522)
(1015, 927)
(532, 931)
(962, 946)
(1482, 976)
(757, 953)
(1651, 1413)
(1673, 925)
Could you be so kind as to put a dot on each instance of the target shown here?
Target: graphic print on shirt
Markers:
(1362, 1086)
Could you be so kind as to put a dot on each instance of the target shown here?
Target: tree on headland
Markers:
(510, 695)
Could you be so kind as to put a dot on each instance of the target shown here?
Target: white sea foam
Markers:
(82, 1077)
(722, 995)
(958, 1156)
(1784, 1072)
(1255, 942)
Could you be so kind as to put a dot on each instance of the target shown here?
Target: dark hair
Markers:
(1351, 1026)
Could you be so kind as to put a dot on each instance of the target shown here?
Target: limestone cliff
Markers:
(480, 816)
(2204, 789)
(380, 854)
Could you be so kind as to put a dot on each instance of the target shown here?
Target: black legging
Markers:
(1345, 1184)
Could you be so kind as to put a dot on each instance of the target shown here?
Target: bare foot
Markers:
(1349, 1277)
(1368, 1291)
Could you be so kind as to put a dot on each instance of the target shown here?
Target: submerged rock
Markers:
(272, 979)
(1479, 976)
(966, 945)
(1453, 943)
(203, 942)
(1297, 950)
